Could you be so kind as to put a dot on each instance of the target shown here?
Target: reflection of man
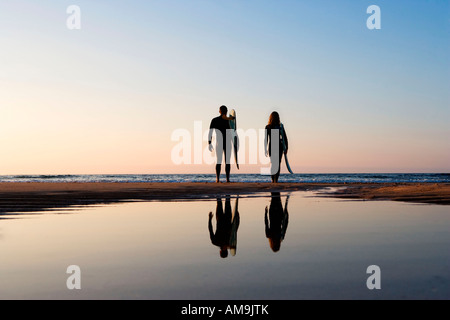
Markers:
(227, 226)
(220, 125)
(277, 221)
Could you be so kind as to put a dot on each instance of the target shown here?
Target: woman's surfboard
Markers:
(233, 126)
(234, 228)
(283, 141)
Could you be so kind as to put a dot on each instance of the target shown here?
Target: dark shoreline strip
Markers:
(35, 197)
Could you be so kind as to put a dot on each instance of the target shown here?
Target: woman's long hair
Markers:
(274, 119)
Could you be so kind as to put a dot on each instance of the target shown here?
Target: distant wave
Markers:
(306, 178)
(40, 176)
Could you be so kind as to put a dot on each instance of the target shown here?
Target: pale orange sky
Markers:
(107, 98)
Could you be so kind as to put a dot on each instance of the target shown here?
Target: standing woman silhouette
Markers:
(280, 145)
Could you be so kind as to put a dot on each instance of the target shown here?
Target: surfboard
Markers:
(234, 228)
(233, 126)
(283, 141)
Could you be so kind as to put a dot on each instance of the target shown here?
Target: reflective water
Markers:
(274, 247)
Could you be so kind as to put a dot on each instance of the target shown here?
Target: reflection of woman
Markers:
(225, 236)
(281, 142)
(276, 222)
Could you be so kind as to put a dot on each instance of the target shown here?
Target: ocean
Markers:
(305, 178)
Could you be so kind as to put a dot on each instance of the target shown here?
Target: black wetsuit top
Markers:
(222, 125)
(269, 136)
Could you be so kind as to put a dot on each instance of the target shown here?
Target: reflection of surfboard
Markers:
(234, 228)
(285, 220)
(233, 126)
(283, 141)
(287, 201)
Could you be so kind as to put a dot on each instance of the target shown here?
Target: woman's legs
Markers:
(277, 175)
(273, 159)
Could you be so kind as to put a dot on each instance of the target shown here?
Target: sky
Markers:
(108, 97)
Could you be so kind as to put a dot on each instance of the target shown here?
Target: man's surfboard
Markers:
(283, 141)
(233, 126)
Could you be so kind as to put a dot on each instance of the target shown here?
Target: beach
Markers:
(28, 197)
(216, 153)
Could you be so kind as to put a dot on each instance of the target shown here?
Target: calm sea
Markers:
(307, 178)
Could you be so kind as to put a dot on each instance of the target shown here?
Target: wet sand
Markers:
(434, 193)
(30, 197)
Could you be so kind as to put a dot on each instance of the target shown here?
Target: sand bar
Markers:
(27, 197)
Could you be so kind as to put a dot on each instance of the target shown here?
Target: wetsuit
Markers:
(273, 159)
(221, 125)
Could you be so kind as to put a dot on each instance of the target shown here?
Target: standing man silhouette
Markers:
(220, 125)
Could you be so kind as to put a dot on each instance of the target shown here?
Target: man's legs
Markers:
(227, 171)
(222, 150)
(218, 168)
(227, 150)
(219, 157)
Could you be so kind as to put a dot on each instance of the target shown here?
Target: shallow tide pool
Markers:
(304, 247)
